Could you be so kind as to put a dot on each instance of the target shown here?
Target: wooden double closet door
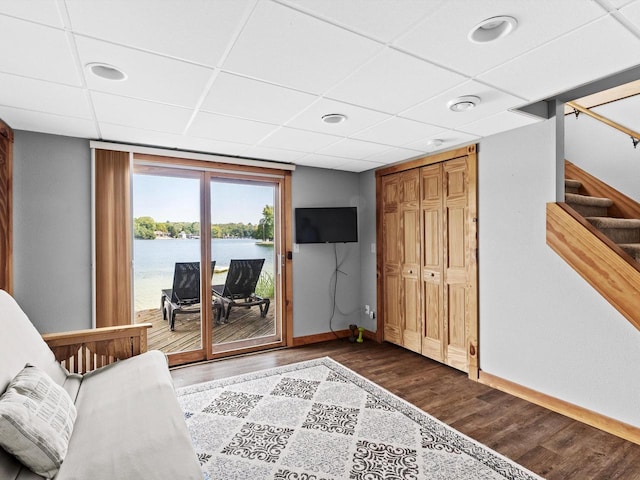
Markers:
(428, 287)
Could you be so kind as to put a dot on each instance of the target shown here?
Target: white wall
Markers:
(52, 230)
(314, 264)
(604, 152)
(541, 324)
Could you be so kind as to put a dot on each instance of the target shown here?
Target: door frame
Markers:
(241, 168)
(472, 333)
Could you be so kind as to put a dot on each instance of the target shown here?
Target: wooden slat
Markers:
(623, 206)
(82, 351)
(6, 208)
(613, 275)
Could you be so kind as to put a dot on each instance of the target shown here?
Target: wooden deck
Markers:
(244, 324)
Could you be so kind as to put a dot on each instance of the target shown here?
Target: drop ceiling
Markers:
(252, 78)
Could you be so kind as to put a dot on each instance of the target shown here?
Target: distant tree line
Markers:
(147, 228)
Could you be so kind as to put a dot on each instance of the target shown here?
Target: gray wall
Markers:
(541, 324)
(314, 264)
(52, 230)
(367, 212)
(603, 152)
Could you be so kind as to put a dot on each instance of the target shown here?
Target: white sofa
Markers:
(129, 424)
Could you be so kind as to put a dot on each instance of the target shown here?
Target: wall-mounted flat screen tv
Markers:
(326, 225)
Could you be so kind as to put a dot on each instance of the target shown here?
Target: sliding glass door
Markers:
(246, 247)
(166, 257)
(207, 258)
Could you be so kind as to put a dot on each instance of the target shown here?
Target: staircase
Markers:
(625, 232)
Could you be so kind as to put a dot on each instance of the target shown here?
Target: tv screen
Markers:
(326, 225)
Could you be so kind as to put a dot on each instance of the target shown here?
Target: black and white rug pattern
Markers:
(318, 420)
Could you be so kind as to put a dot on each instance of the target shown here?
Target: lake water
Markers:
(154, 262)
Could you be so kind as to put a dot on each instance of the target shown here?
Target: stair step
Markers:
(632, 249)
(572, 186)
(620, 230)
(588, 206)
(586, 200)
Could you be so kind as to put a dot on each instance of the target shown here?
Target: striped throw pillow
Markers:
(36, 421)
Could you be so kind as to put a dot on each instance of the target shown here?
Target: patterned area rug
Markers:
(318, 420)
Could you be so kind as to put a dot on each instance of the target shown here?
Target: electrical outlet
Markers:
(372, 314)
(367, 309)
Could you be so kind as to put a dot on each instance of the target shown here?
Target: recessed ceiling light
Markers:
(462, 104)
(108, 72)
(492, 29)
(334, 118)
(435, 142)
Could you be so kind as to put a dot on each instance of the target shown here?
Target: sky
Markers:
(176, 199)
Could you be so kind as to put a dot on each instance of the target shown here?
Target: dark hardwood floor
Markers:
(545, 442)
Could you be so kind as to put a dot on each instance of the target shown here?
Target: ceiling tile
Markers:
(139, 113)
(500, 122)
(436, 111)
(298, 140)
(197, 30)
(39, 11)
(358, 118)
(384, 22)
(219, 127)
(586, 54)
(274, 154)
(442, 37)
(307, 54)
(19, 119)
(449, 139)
(394, 155)
(38, 95)
(119, 133)
(357, 149)
(398, 131)
(321, 161)
(359, 166)
(149, 76)
(243, 97)
(621, 3)
(394, 81)
(36, 51)
(632, 13)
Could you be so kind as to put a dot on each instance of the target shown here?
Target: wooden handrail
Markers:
(598, 260)
(633, 134)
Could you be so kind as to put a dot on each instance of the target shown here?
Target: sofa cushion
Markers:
(130, 425)
(36, 421)
(20, 343)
